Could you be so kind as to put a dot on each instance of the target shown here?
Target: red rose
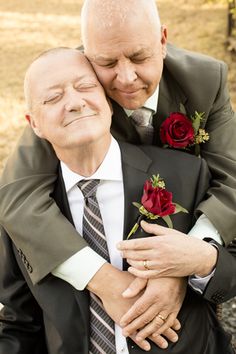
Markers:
(177, 131)
(156, 200)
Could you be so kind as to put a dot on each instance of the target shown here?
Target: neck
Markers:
(85, 160)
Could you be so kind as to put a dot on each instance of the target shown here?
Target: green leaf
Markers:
(182, 109)
(179, 208)
(196, 121)
(168, 221)
(137, 205)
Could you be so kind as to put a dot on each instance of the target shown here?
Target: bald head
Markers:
(112, 13)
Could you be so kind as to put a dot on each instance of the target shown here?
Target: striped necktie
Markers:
(141, 119)
(102, 334)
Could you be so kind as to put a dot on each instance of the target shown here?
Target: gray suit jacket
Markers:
(51, 317)
(196, 81)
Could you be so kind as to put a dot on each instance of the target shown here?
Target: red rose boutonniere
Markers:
(180, 132)
(156, 203)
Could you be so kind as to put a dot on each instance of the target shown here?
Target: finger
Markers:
(169, 334)
(160, 341)
(148, 264)
(177, 325)
(139, 255)
(145, 274)
(136, 244)
(168, 323)
(150, 328)
(143, 344)
(141, 321)
(134, 288)
(157, 230)
(136, 310)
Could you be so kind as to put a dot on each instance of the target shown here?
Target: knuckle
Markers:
(157, 321)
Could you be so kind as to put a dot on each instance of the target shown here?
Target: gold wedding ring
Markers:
(161, 317)
(145, 265)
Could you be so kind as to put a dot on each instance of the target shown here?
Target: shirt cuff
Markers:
(198, 283)
(204, 228)
(79, 269)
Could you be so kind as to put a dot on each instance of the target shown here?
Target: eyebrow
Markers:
(133, 55)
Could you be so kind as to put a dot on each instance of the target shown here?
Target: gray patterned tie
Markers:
(142, 120)
(102, 334)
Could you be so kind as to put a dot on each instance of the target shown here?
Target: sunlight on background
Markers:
(29, 27)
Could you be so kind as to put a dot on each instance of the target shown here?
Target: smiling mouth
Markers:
(129, 92)
(76, 119)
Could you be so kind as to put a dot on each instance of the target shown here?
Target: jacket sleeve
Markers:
(222, 285)
(220, 154)
(21, 322)
(26, 185)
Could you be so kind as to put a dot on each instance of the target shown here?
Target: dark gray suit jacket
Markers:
(196, 81)
(51, 317)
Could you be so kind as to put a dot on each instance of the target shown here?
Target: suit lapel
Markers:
(135, 164)
(60, 197)
(134, 175)
(169, 100)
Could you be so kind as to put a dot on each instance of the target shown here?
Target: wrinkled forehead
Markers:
(60, 62)
(59, 68)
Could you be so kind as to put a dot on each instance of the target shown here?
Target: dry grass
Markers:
(29, 27)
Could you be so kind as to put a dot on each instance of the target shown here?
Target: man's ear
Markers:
(164, 40)
(33, 125)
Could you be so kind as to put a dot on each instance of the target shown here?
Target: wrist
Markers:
(104, 281)
(209, 261)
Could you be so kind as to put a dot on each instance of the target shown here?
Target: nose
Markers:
(74, 101)
(126, 72)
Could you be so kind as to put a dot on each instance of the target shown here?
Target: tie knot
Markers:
(142, 117)
(88, 187)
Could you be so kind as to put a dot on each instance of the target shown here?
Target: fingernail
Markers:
(127, 292)
(174, 339)
(164, 345)
(147, 347)
(118, 246)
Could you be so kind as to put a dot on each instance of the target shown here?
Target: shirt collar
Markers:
(104, 172)
(151, 103)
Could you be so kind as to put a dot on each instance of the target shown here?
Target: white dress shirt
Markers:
(81, 267)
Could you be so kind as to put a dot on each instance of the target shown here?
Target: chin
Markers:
(131, 104)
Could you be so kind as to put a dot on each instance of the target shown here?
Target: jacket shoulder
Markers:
(191, 68)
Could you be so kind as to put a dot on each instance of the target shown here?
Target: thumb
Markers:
(135, 287)
(153, 229)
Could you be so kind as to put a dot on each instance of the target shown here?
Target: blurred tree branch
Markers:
(231, 35)
(231, 23)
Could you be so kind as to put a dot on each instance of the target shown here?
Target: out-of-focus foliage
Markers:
(231, 22)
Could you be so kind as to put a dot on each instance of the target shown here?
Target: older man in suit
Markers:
(127, 47)
(68, 107)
